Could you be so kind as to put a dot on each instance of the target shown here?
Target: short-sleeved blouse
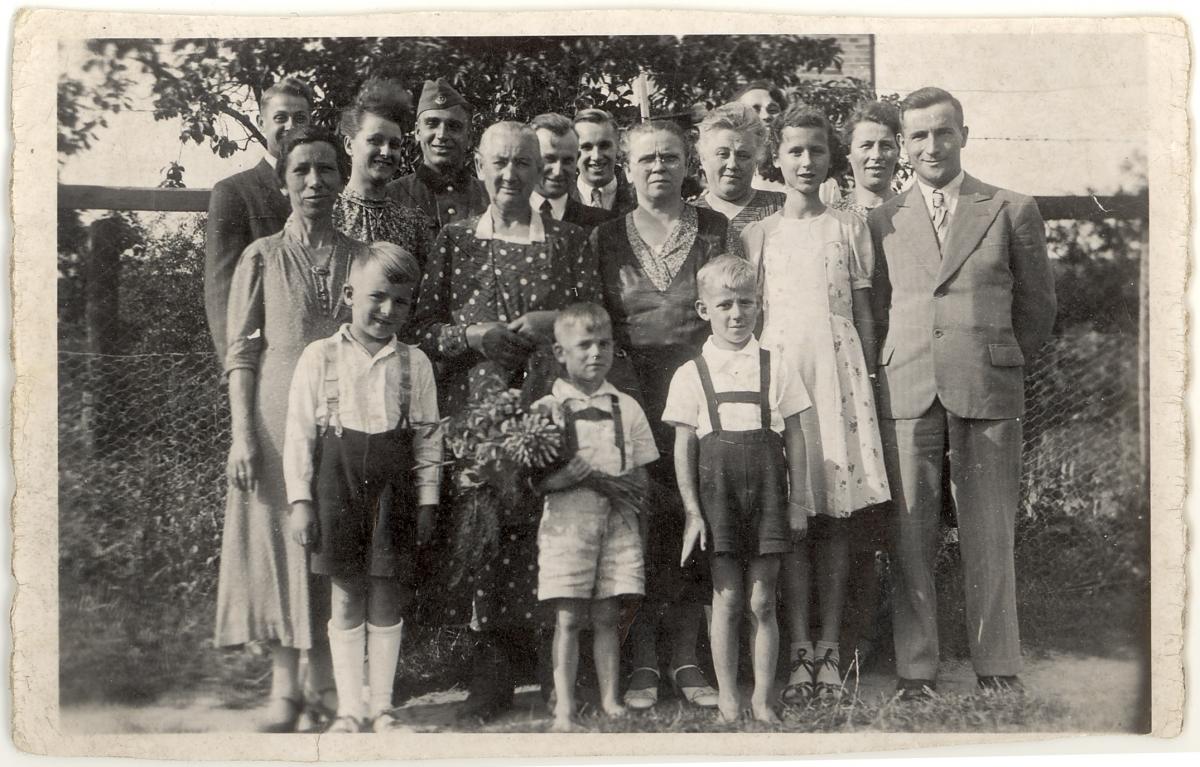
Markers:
(383, 221)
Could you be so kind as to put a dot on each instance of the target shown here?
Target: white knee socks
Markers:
(383, 653)
(348, 650)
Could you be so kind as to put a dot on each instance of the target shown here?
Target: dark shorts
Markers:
(364, 498)
(743, 492)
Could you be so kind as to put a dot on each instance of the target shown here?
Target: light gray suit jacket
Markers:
(959, 324)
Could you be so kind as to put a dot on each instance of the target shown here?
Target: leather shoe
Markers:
(915, 689)
(1008, 684)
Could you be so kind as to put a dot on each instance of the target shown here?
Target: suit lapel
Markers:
(913, 224)
(975, 212)
(276, 200)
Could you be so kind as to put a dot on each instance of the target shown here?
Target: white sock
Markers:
(348, 649)
(383, 653)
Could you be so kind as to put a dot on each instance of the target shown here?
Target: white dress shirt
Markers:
(368, 402)
(949, 195)
(558, 205)
(596, 440)
(608, 192)
(733, 370)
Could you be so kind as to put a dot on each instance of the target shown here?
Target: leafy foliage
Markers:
(212, 86)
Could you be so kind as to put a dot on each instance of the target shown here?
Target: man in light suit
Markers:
(964, 296)
(249, 205)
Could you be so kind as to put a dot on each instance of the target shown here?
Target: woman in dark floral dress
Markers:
(492, 286)
(373, 131)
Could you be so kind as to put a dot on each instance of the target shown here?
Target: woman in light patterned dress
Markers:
(285, 294)
(373, 131)
(816, 267)
(732, 141)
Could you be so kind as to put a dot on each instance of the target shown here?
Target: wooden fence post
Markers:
(107, 238)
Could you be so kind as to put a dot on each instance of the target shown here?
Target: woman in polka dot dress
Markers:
(492, 286)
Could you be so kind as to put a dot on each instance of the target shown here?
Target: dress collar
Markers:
(485, 229)
(564, 390)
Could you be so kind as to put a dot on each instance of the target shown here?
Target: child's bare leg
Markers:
(728, 600)
(387, 599)
(606, 652)
(569, 617)
(764, 631)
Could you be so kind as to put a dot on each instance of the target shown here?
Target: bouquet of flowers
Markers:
(501, 450)
(500, 447)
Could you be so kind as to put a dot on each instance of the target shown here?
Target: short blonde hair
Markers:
(398, 265)
(726, 271)
(583, 314)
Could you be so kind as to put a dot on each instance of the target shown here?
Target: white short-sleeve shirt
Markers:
(733, 370)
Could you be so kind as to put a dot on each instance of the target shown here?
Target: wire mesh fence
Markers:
(143, 440)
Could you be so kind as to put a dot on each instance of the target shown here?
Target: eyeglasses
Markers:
(667, 160)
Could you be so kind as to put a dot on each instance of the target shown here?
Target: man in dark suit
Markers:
(965, 296)
(560, 157)
(443, 185)
(250, 204)
(601, 183)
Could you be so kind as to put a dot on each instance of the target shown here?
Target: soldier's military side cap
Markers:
(440, 94)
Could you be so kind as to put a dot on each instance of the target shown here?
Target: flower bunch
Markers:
(499, 446)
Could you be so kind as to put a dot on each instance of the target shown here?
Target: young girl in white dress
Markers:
(815, 266)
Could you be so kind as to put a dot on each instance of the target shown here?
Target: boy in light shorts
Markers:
(589, 551)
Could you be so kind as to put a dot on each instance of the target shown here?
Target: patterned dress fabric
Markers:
(810, 268)
(469, 280)
(383, 221)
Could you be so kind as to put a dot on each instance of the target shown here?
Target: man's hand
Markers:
(425, 522)
(302, 524)
(568, 476)
(496, 342)
(693, 532)
(535, 326)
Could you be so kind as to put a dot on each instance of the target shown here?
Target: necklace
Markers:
(321, 274)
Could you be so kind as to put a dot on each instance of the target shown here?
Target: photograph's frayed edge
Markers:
(34, 399)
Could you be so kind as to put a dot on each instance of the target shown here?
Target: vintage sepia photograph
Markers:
(770, 378)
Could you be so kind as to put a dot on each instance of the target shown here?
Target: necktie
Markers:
(547, 209)
(597, 198)
(941, 216)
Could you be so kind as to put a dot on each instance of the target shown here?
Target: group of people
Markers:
(791, 375)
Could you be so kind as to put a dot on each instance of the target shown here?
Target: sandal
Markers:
(702, 695)
(802, 681)
(642, 698)
(288, 712)
(827, 682)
